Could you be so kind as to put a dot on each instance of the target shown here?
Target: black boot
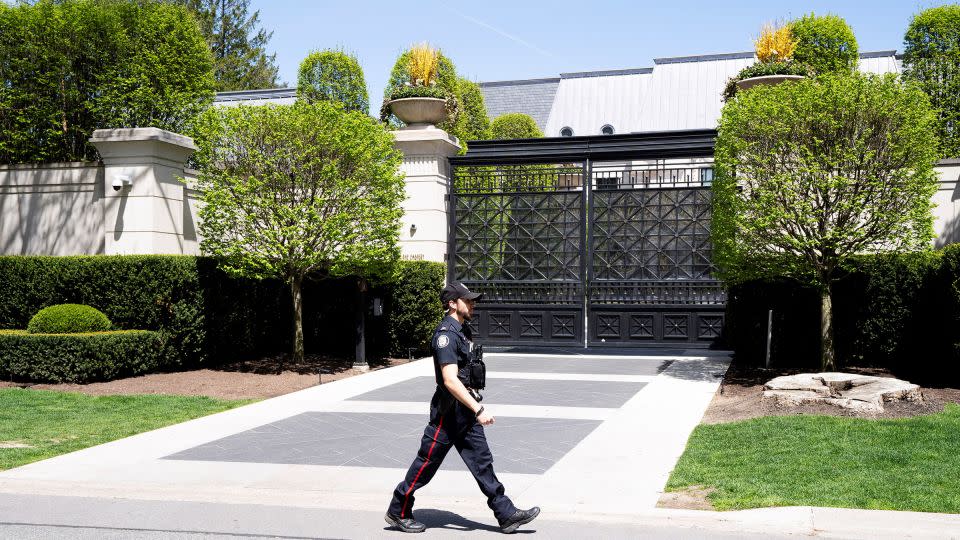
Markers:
(520, 517)
(407, 525)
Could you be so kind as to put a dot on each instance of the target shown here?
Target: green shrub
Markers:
(78, 358)
(333, 76)
(474, 124)
(68, 319)
(826, 43)
(199, 313)
(414, 308)
(931, 58)
(896, 311)
(514, 126)
(204, 317)
(404, 92)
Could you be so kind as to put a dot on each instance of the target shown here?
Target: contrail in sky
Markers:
(501, 32)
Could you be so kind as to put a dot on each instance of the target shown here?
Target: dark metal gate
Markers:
(588, 240)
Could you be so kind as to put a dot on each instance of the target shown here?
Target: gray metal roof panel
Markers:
(532, 98)
(586, 104)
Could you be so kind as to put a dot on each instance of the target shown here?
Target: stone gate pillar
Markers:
(425, 210)
(144, 200)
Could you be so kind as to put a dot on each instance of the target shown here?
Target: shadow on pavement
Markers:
(443, 519)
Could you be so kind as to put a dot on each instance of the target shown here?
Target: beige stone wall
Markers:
(51, 209)
(946, 211)
(72, 208)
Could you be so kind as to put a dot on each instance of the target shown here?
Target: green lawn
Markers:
(904, 464)
(52, 423)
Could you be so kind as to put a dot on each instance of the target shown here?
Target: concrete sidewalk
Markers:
(591, 439)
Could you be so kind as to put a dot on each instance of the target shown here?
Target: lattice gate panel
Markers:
(622, 259)
(650, 277)
(518, 237)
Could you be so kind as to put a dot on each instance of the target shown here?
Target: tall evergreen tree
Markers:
(238, 44)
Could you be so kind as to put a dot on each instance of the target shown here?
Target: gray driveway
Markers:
(577, 434)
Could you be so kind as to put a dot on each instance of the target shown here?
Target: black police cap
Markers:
(457, 290)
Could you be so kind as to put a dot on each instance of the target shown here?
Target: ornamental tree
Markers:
(813, 172)
(514, 126)
(931, 57)
(333, 76)
(305, 190)
(826, 43)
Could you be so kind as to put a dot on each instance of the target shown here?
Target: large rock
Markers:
(846, 390)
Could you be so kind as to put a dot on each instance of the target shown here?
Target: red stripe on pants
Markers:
(406, 496)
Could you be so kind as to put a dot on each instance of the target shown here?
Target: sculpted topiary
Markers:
(68, 319)
(514, 126)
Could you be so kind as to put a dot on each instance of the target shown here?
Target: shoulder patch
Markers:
(442, 341)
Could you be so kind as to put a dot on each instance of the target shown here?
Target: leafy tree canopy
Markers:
(811, 173)
(297, 191)
(73, 66)
(238, 44)
(514, 126)
(333, 76)
(931, 58)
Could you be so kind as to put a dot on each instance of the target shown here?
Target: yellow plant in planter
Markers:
(424, 62)
(775, 44)
(774, 47)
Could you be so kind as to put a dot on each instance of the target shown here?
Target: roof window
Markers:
(566, 132)
(607, 129)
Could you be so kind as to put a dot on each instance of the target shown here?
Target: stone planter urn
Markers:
(419, 112)
(746, 84)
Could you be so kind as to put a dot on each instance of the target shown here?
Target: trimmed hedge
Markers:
(68, 319)
(414, 309)
(77, 358)
(897, 311)
(203, 316)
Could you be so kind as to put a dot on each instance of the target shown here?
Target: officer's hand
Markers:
(485, 419)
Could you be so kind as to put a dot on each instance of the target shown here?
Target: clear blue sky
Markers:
(493, 40)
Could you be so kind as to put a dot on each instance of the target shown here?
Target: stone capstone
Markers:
(846, 390)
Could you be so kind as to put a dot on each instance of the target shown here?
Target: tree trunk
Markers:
(296, 284)
(827, 360)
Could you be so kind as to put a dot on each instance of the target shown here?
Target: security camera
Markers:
(120, 181)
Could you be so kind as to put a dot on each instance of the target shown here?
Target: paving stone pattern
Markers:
(606, 366)
(519, 445)
(605, 394)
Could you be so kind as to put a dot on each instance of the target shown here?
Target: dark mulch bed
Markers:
(247, 379)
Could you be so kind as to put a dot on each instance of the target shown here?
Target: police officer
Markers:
(456, 420)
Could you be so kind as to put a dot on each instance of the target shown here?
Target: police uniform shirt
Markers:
(451, 345)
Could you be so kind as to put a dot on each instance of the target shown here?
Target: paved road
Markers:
(79, 518)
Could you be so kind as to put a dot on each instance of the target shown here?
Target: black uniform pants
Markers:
(471, 442)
